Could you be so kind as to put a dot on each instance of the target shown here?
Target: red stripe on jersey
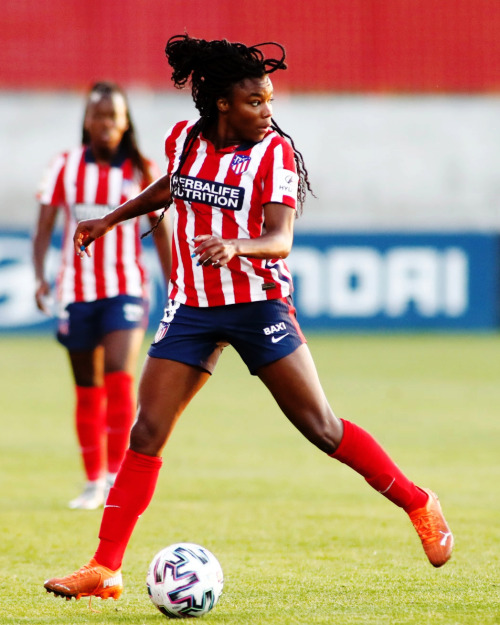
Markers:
(230, 230)
(127, 173)
(101, 198)
(58, 194)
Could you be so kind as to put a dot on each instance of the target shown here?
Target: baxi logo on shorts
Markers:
(216, 194)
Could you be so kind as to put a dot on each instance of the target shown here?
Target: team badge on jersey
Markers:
(240, 163)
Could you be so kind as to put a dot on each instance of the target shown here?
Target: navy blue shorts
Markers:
(261, 333)
(84, 324)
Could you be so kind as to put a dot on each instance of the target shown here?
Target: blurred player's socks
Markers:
(90, 415)
(127, 500)
(120, 415)
(360, 451)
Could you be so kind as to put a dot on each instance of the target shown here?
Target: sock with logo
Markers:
(360, 451)
(89, 421)
(119, 416)
(127, 500)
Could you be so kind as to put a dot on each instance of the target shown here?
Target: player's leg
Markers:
(78, 333)
(121, 350)
(90, 411)
(294, 383)
(166, 387)
(122, 322)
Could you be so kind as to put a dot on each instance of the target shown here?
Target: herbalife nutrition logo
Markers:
(208, 192)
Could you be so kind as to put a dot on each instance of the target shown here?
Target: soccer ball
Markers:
(184, 580)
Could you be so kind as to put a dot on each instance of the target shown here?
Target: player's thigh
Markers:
(87, 366)
(295, 385)
(166, 387)
(121, 350)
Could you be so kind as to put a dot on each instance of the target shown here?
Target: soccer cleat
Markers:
(437, 539)
(92, 580)
(91, 498)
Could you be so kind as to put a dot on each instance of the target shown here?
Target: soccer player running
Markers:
(102, 305)
(234, 180)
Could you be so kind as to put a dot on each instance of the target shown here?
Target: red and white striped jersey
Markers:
(222, 193)
(83, 189)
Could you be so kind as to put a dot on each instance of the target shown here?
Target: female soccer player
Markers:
(102, 305)
(233, 178)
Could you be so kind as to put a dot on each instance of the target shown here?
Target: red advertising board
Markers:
(427, 46)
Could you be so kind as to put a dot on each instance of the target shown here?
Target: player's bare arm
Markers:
(154, 197)
(275, 242)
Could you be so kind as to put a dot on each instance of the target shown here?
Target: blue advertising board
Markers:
(397, 281)
(369, 282)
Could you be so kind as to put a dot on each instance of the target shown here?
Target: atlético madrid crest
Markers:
(240, 163)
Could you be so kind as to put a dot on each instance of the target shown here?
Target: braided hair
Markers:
(214, 67)
(128, 144)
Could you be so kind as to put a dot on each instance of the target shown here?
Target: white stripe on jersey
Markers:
(132, 273)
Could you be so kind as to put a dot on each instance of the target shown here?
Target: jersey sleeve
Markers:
(51, 188)
(280, 178)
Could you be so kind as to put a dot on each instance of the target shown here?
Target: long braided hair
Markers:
(128, 144)
(214, 67)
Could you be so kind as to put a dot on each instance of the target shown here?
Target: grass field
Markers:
(301, 538)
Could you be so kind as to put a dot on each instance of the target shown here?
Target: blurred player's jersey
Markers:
(83, 189)
(222, 193)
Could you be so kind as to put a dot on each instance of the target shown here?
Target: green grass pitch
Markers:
(301, 538)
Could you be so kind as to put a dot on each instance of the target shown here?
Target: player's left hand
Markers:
(213, 251)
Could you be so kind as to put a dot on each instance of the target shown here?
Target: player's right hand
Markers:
(86, 232)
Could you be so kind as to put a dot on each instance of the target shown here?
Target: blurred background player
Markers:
(102, 306)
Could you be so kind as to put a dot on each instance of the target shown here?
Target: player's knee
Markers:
(327, 434)
(146, 436)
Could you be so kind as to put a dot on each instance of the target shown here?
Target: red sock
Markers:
(89, 417)
(360, 451)
(127, 500)
(120, 416)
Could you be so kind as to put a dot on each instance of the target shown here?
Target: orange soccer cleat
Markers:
(437, 539)
(92, 580)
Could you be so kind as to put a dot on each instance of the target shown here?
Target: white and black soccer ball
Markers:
(184, 580)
